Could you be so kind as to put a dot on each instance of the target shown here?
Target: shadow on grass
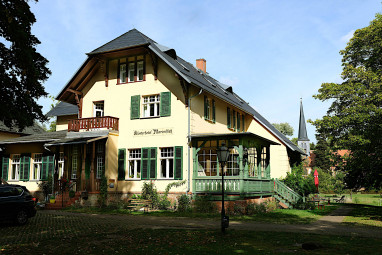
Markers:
(279, 216)
(365, 215)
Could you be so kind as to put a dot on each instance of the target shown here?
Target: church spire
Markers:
(303, 140)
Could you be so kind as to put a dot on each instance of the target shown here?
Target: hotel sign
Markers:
(153, 132)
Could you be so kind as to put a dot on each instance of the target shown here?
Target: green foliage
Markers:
(72, 193)
(285, 128)
(294, 140)
(323, 153)
(184, 203)
(150, 192)
(22, 69)
(354, 119)
(102, 199)
(46, 186)
(203, 204)
(302, 185)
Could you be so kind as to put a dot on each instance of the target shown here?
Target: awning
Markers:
(81, 140)
(227, 136)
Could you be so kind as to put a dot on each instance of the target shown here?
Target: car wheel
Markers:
(21, 217)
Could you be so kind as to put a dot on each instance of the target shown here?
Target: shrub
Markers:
(102, 199)
(298, 183)
(150, 192)
(253, 208)
(184, 203)
(72, 193)
(164, 203)
(202, 204)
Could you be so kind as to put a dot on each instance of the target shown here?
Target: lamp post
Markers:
(223, 154)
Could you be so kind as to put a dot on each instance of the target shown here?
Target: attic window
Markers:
(229, 89)
(214, 85)
(185, 68)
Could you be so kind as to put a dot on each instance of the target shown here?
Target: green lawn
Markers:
(366, 199)
(279, 216)
(364, 215)
(160, 241)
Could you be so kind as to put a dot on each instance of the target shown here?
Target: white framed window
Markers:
(100, 160)
(167, 163)
(98, 109)
(74, 162)
(15, 169)
(140, 70)
(151, 106)
(61, 161)
(135, 164)
(37, 165)
(131, 71)
(232, 166)
(122, 73)
(207, 159)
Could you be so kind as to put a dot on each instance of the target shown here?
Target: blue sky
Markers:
(272, 52)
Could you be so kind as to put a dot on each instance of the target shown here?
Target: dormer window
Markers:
(98, 109)
(131, 69)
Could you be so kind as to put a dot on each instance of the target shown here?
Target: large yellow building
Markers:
(135, 112)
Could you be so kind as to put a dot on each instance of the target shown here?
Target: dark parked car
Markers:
(16, 203)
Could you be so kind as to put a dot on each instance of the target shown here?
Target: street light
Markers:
(223, 154)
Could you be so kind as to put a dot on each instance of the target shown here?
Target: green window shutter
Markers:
(121, 163)
(178, 166)
(44, 168)
(51, 165)
(242, 123)
(153, 163)
(213, 111)
(228, 117)
(135, 107)
(165, 104)
(25, 167)
(5, 167)
(145, 164)
(205, 107)
(238, 122)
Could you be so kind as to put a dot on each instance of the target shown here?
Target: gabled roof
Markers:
(63, 108)
(132, 38)
(34, 129)
(189, 73)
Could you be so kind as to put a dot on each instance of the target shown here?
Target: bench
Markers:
(341, 200)
(137, 204)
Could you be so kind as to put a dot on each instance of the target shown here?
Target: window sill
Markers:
(165, 179)
(211, 121)
(133, 179)
(150, 117)
(122, 83)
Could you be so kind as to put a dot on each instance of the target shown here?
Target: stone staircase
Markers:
(285, 195)
(63, 200)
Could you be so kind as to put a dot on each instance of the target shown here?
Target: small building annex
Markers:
(136, 111)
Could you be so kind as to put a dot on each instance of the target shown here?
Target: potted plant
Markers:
(52, 199)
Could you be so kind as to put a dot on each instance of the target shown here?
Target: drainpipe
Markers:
(189, 139)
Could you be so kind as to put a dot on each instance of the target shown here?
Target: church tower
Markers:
(303, 140)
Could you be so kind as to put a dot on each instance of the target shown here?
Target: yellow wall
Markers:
(11, 149)
(117, 100)
(62, 121)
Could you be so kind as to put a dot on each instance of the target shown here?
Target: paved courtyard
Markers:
(60, 224)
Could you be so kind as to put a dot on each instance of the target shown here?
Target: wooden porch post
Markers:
(259, 149)
(267, 159)
(195, 168)
(83, 177)
(241, 169)
(92, 177)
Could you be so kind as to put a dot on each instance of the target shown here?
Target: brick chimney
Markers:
(201, 64)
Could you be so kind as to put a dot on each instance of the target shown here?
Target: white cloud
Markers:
(348, 36)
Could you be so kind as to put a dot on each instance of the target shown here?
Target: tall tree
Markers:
(285, 128)
(354, 119)
(322, 153)
(22, 68)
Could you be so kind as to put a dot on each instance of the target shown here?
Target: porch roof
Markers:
(80, 140)
(232, 136)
